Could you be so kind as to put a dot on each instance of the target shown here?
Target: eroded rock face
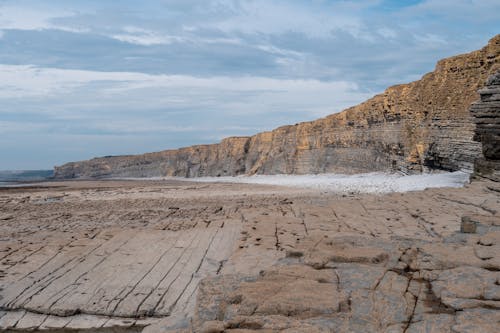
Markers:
(486, 114)
(410, 127)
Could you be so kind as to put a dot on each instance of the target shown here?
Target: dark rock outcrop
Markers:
(486, 114)
(422, 125)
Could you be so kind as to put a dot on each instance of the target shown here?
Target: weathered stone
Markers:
(440, 256)
(432, 323)
(467, 287)
(490, 238)
(82, 322)
(477, 320)
(119, 322)
(212, 327)
(467, 225)
(329, 252)
(55, 323)
(10, 319)
(30, 321)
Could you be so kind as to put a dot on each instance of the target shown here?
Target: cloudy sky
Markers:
(86, 78)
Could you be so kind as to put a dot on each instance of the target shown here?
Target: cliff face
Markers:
(486, 114)
(410, 127)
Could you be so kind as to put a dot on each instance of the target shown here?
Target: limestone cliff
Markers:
(486, 114)
(410, 127)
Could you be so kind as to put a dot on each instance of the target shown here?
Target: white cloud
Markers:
(266, 17)
(140, 126)
(148, 126)
(279, 51)
(387, 33)
(69, 90)
(144, 37)
(27, 18)
(145, 40)
(17, 127)
(79, 114)
(430, 40)
(22, 80)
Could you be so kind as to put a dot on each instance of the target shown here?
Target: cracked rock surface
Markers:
(166, 256)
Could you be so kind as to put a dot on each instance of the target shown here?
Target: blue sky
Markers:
(80, 79)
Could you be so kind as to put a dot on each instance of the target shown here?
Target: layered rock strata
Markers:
(409, 127)
(486, 114)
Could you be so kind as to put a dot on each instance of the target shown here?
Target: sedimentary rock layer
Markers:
(486, 114)
(409, 127)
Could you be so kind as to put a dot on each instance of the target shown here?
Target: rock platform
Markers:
(165, 256)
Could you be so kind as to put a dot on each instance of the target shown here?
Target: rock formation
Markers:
(487, 118)
(409, 127)
(183, 257)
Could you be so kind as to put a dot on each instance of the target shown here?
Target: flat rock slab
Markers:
(126, 273)
(22, 320)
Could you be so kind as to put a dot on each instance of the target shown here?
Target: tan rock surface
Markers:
(189, 257)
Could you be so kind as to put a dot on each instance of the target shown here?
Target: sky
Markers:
(87, 78)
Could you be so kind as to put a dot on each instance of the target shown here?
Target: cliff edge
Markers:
(411, 127)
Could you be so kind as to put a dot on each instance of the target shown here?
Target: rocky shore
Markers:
(212, 257)
(158, 256)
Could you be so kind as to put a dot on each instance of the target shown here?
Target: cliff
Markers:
(486, 114)
(409, 127)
